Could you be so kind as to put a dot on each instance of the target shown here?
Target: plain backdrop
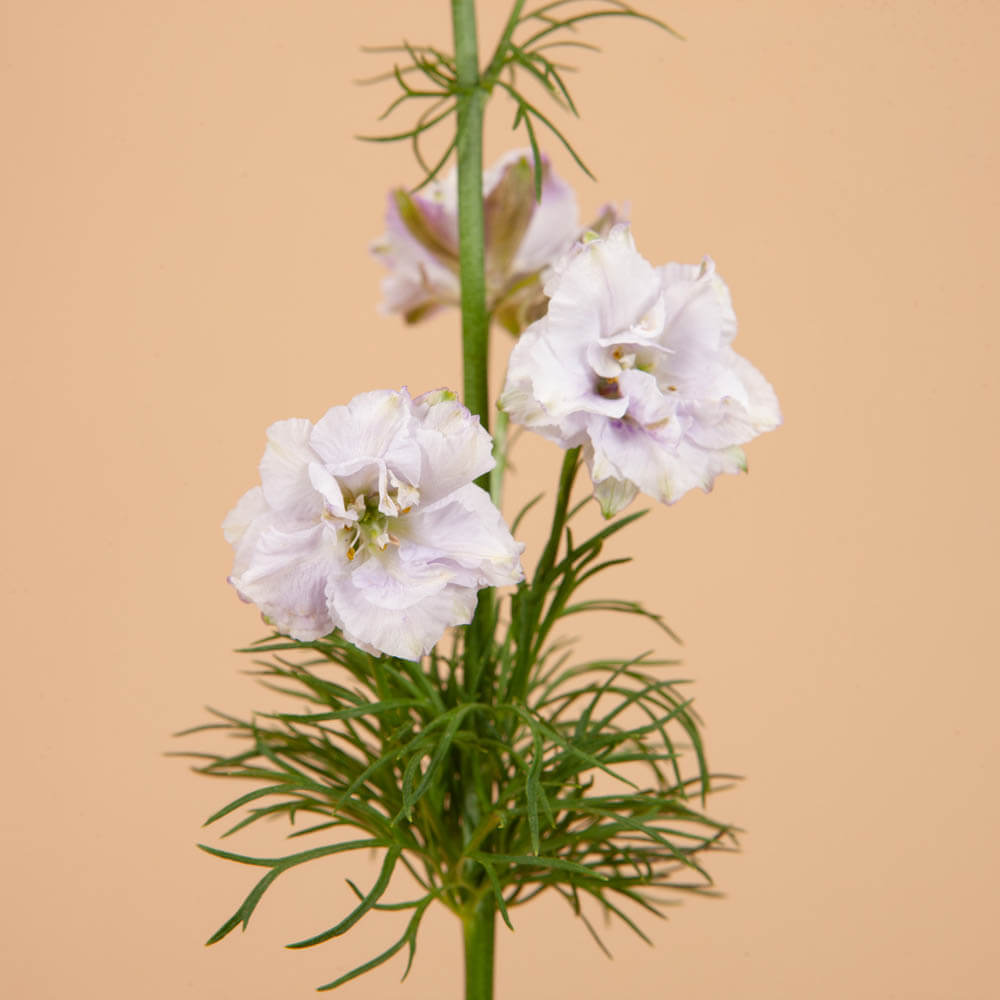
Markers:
(185, 223)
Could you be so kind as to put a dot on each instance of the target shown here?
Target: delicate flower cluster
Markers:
(634, 364)
(524, 235)
(369, 522)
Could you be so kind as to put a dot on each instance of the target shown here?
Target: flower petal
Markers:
(362, 442)
(453, 442)
(243, 524)
(508, 207)
(421, 277)
(284, 470)
(466, 533)
(604, 288)
(287, 577)
(385, 605)
(554, 226)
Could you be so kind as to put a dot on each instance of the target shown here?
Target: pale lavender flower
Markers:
(369, 522)
(523, 236)
(634, 364)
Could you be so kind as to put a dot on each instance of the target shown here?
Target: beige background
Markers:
(185, 221)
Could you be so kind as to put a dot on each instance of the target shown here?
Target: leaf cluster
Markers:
(491, 772)
(532, 48)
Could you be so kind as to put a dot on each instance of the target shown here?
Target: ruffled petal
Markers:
(760, 399)
(329, 489)
(625, 450)
(604, 288)
(243, 524)
(465, 533)
(748, 408)
(362, 442)
(249, 507)
(453, 443)
(284, 470)
(287, 577)
(553, 362)
(397, 612)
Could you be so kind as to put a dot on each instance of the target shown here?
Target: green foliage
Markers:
(488, 779)
(528, 50)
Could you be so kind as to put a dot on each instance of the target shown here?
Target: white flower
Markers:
(523, 236)
(369, 522)
(634, 364)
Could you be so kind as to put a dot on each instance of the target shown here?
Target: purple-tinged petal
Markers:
(634, 363)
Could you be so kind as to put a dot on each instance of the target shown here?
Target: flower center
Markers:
(632, 357)
(372, 531)
(607, 388)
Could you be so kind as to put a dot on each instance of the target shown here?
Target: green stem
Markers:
(471, 227)
(479, 933)
(479, 925)
(500, 454)
(531, 599)
(472, 274)
(497, 62)
(571, 462)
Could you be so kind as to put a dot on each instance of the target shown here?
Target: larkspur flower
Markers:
(634, 364)
(369, 522)
(523, 237)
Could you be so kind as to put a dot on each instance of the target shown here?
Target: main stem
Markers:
(478, 927)
(472, 274)
(478, 933)
(471, 239)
